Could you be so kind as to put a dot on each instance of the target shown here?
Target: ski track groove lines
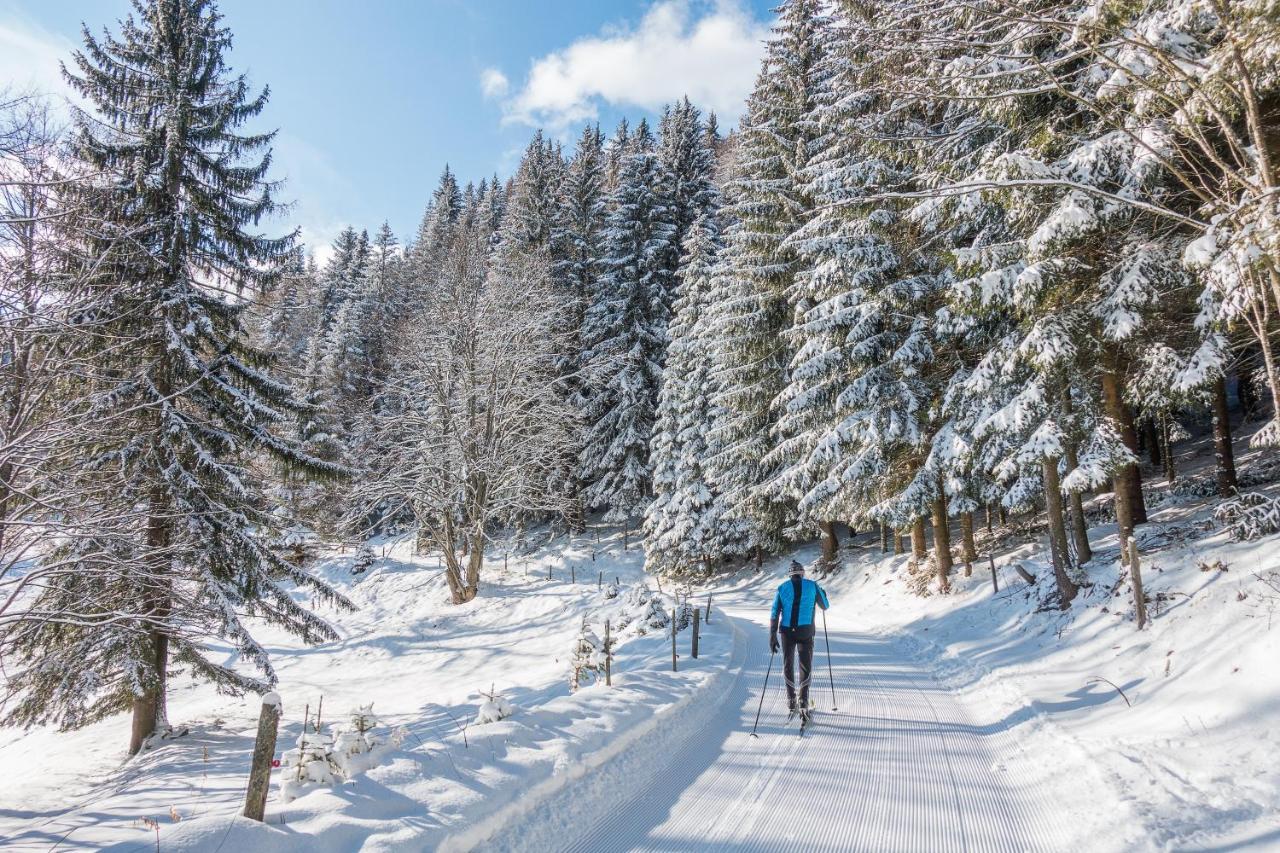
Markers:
(900, 766)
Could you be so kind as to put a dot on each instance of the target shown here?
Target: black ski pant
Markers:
(797, 642)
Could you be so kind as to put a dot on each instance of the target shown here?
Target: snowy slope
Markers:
(422, 663)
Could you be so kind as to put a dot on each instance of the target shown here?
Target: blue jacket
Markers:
(795, 601)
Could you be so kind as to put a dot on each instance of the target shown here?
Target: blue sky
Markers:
(373, 98)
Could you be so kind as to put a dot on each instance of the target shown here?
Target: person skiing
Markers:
(792, 617)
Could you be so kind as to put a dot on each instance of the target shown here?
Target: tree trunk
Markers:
(1079, 527)
(1166, 449)
(1152, 440)
(918, 549)
(829, 545)
(884, 538)
(149, 708)
(941, 543)
(1057, 533)
(1128, 480)
(899, 547)
(1223, 454)
(968, 551)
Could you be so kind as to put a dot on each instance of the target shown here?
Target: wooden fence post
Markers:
(673, 639)
(600, 581)
(548, 571)
(708, 619)
(264, 750)
(573, 573)
(608, 656)
(995, 584)
(697, 614)
(1135, 575)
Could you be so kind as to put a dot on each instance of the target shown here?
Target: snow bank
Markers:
(432, 671)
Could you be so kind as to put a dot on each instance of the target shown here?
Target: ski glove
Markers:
(773, 643)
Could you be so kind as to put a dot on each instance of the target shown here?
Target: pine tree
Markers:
(625, 332)
(764, 206)
(186, 403)
(686, 523)
(690, 163)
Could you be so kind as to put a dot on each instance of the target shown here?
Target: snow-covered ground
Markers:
(973, 721)
(1191, 751)
(422, 663)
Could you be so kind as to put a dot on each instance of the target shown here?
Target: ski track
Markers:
(900, 766)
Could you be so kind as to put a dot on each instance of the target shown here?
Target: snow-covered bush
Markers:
(1195, 487)
(319, 759)
(1249, 516)
(643, 611)
(364, 560)
(298, 543)
(588, 658)
(495, 707)
(310, 763)
(611, 591)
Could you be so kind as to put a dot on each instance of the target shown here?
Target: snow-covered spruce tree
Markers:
(577, 249)
(686, 524)
(533, 203)
(764, 205)
(689, 162)
(1192, 86)
(615, 154)
(182, 402)
(625, 331)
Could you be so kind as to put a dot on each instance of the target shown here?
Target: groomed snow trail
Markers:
(900, 766)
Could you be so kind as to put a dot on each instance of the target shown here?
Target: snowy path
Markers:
(900, 766)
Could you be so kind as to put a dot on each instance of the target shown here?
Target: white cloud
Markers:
(494, 83)
(712, 57)
(29, 57)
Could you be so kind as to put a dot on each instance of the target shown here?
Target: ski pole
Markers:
(830, 675)
(762, 692)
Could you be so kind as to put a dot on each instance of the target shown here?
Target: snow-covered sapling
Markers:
(494, 708)
(364, 560)
(1251, 515)
(588, 658)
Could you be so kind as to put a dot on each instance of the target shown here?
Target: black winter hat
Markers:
(795, 568)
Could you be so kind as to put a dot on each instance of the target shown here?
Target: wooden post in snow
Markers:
(573, 573)
(673, 639)
(264, 750)
(1135, 576)
(697, 615)
(608, 656)
(995, 584)
(708, 619)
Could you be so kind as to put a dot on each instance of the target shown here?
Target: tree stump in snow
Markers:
(264, 750)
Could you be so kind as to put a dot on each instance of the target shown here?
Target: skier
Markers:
(792, 616)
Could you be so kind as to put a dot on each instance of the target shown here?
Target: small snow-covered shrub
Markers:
(1249, 516)
(1260, 471)
(298, 544)
(1195, 487)
(643, 611)
(494, 708)
(364, 560)
(588, 658)
(319, 759)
